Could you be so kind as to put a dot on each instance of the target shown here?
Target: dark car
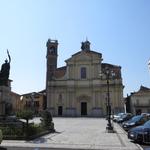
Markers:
(140, 133)
(124, 117)
(135, 121)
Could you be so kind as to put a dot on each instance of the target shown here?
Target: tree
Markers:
(25, 114)
(47, 121)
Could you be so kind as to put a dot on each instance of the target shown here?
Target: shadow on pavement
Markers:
(3, 148)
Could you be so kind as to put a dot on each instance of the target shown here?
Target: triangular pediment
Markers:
(84, 56)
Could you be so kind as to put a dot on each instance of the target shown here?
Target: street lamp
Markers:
(109, 74)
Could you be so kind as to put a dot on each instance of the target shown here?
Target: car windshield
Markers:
(147, 124)
(119, 114)
(136, 118)
(123, 116)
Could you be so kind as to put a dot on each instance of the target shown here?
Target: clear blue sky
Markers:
(119, 29)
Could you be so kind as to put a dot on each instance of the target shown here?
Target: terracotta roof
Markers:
(109, 65)
(116, 69)
(42, 91)
(143, 88)
(60, 72)
(31, 93)
(14, 93)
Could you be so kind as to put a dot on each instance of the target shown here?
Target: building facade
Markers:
(78, 89)
(16, 102)
(139, 102)
(35, 101)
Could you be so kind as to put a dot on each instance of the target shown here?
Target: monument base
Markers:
(5, 99)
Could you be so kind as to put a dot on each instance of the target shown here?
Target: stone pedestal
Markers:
(5, 99)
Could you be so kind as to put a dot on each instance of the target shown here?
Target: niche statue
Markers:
(4, 72)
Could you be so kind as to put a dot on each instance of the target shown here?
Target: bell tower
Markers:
(51, 58)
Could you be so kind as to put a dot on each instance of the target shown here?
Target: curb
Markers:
(126, 135)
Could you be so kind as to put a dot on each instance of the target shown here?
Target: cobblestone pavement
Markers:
(77, 133)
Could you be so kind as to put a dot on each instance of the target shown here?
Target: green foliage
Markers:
(1, 136)
(47, 121)
(26, 130)
(25, 114)
(34, 129)
(12, 130)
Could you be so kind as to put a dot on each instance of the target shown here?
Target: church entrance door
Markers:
(60, 110)
(83, 108)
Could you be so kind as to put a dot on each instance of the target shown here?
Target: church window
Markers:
(60, 98)
(83, 73)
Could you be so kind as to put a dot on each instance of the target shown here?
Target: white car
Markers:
(116, 116)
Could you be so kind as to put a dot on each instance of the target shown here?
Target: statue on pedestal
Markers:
(4, 72)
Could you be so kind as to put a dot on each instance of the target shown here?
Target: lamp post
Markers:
(109, 74)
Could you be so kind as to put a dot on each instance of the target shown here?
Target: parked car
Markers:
(124, 117)
(140, 133)
(116, 116)
(135, 121)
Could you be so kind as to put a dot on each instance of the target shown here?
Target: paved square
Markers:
(79, 133)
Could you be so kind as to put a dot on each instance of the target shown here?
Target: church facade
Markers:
(81, 87)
